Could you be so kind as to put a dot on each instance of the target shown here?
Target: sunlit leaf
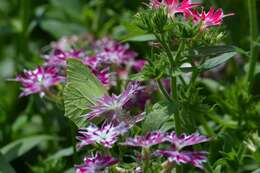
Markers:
(82, 89)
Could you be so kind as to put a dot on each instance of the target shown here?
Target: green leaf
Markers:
(141, 38)
(209, 51)
(138, 77)
(211, 84)
(70, 170)
(61, 153)
(218, 169)
(73, 8)
(59, 28)
(82, 89)
(21, 146)
(160, 113)
(5, 167)
(214, 62)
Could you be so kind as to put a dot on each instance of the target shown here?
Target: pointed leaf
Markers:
(141, 38)
(209, 51)
(82, 89)
(214, 62)
(61, 153)
(5, 167)
(21, 146)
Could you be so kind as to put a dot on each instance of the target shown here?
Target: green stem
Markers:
(177, 121)
(52, 96)
(253, 35)
(179, 169)
(163, 90)
(146, 158)
(22, 49)
(167, 167)
(73, 139)
(96, 22)
(166, 48)
(174, 88)
(206, 127)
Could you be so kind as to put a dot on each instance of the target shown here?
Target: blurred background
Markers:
(28, 26)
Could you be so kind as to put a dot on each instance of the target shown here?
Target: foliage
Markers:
(195, 80)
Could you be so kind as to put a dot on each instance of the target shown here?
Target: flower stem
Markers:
(167, 167)
(163, 90)
(206, 127)
(52, 96)
(146, 158)
(253, 35)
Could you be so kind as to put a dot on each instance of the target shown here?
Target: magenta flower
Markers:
(174, 6)
(195, 158)
(112, 106)
(183, 140)
(140, 99)
(175, 156)
(58, 57)
(139, 65)
(198, 158)
(92, 62)
(212, 18)
(38, 80)
(146, 141)
(112, 52)
(103, 76)
(106, 135)
(95, 164)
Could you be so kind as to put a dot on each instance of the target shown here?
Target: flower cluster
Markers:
(108, 59)
(104, 54)
(175, 153)
(186, 7)
(117, 122)
(174, 6)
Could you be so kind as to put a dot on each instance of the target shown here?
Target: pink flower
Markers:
(174, 156)
(106, 135)
(112, 52)
(92, 62)
(212, 18)
(183, 140)
(148, 140)
(58, 57)
(174, 6)
(140, 99)
(195, 158)
(95, 164)
(112, 106)
(198, 158)
(139, 65)
(38, 80)
(103, 76)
